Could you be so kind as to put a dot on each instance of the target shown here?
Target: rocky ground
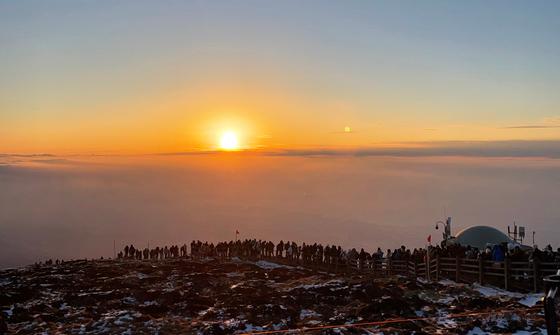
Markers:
(183, 296)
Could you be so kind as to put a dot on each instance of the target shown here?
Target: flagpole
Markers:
(428, 267)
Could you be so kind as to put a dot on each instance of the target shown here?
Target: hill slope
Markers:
(211, 297)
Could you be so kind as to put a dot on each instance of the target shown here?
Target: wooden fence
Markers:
(510, 275)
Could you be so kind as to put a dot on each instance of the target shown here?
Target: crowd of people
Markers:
(304, 254)
(499, 252)
(332, 255)
(157, 253)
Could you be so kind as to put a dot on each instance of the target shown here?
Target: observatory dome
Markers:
(479, 236)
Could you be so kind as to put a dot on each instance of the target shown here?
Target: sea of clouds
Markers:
(76, 206)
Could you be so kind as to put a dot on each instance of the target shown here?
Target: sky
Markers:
(166, 76)
(359, 123)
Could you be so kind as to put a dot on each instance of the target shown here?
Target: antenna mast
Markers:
(517, 235)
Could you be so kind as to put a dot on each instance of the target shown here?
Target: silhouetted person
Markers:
(146, 253)
(362, 258)
(132, 251)
(280, 249)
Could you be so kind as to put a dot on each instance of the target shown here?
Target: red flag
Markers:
(430, 238)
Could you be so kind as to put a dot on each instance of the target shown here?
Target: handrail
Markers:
(520, 275)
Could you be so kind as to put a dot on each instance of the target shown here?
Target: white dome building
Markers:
(480, 236)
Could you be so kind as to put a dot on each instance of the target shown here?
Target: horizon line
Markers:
(477, 148)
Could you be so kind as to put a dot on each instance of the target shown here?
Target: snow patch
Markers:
(446, 300)
(531, 300)
(325, 284)
(476, 331)
(150, 303)
(129, 301)
(445, 321)
(448, 282)
(502, 323)
(5, 281)
(123, 319)
(9, 312)
(528, 300)
(489, 291)
(270, 266)
(307, 313)
(250, 328)
(141, 275)
(234, 274)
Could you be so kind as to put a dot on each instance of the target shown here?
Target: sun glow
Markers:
(229, 141)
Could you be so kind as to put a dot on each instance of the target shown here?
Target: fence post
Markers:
(457, 269)
(535, 275)
(480, 271)
(506, 273)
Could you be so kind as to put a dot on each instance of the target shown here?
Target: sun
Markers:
(229, 141)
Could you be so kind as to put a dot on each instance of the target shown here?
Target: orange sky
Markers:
(262, 119)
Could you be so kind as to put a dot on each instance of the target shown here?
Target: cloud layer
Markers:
(519, 149)
(76, 208)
